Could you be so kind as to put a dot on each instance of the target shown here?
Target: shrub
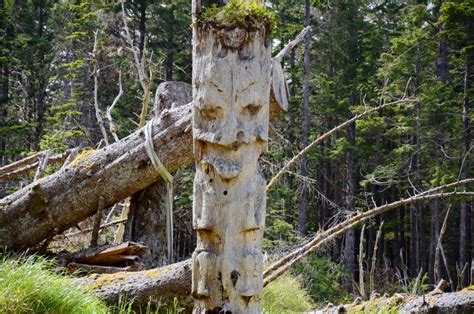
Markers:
(323, 279)
(286, 294)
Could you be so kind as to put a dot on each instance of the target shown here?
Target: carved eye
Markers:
(211, 113)
(251, 110)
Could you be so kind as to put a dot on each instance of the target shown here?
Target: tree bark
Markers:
(61, 200)
(147, 215)
(460, 302)
(160, 286)
(231, 92)
(464, 222)
(303, 210)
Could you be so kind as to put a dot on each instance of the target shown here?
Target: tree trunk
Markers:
(41, 78)
(231, 92)
(415, 215)
(464, 222)
(142, 26)
(349, 244)
(291, 137)
(303, 210)
(435, 208)
(169, 48)
(147, 215)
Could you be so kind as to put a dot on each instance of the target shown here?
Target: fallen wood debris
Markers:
(106, 259)
(112, 290)
(116, 255)
(26, 165)
(451, 302)
(161, 285)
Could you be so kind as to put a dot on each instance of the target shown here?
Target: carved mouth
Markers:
(225, 168)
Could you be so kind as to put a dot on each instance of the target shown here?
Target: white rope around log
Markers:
(163, 172)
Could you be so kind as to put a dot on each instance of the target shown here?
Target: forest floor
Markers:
(449, 302)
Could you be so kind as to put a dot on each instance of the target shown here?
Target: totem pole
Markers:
(231, 91)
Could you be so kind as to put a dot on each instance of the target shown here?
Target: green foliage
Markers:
(29, 285)
(423, 286)
(279, 234)
(249, 15)
(324, 279)
(285, 295)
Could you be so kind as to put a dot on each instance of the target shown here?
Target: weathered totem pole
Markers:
(231, 91)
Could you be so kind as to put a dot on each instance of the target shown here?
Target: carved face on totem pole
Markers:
(231, 88)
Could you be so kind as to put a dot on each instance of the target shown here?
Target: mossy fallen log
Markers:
(159, 286)
(451, 302)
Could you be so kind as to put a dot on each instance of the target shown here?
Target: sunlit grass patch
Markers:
(29, 285)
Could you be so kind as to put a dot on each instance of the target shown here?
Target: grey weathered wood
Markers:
(231, 92)
(70, 195)
(279, 91)
(458, 302)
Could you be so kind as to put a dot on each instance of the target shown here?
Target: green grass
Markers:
(28, 285)
(286, 295)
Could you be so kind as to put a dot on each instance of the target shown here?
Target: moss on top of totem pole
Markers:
(249, 15)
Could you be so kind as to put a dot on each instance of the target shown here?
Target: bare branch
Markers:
(326, 135)
(292, 44)
(112, 127)
(20, 163)
(361, 264)
(374, 258)
(96, 88)
(43, 161)
(31, 164)
(100, 228)
(139, 67)
(280, 266)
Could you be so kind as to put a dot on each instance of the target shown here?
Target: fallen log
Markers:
(57, 202)
(111, 290)
(159, 285)
(25, 166)
(451, 302)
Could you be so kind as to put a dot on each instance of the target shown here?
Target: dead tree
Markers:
(231, 92)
